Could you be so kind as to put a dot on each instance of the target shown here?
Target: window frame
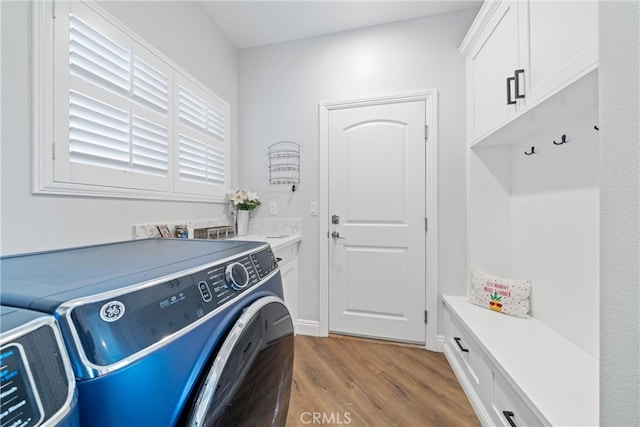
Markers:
(45, 149)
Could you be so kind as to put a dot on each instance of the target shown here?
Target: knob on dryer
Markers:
(237, 275)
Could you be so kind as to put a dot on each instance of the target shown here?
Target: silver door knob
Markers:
(336, 235)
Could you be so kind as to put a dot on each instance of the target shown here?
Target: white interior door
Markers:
(377, 193)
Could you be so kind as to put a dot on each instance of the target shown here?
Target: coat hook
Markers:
(596, 128)
(533, 151)
(564, 140)
(293, 187)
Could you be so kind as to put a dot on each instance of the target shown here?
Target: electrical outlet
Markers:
(313, 208)
(273, 208)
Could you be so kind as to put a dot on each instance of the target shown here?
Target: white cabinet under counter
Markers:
(517, 371)
(287, 257)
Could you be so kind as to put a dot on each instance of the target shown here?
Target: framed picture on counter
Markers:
(164, 231)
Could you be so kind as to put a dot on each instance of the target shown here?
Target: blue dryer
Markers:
(36, 382)
(166, 332)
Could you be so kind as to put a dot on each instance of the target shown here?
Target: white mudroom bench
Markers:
(518, 372)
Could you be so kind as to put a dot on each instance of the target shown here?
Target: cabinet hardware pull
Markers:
(517, 83)
(509, 415)
(457, 339)
(509, 80)
(533, 151)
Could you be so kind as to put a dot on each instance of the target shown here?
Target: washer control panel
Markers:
(147, 315)
(223, 282)
(265, 262)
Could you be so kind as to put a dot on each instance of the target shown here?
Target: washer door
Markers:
(249, 382)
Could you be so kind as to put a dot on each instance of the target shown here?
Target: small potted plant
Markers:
(244, 201)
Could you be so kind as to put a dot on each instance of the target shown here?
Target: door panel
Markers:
(374, 149)
(488, 67)
(359, 276)
(377, 188)
(561, 42)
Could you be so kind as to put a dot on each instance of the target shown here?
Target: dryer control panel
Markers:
(115, 328)
(216, 288)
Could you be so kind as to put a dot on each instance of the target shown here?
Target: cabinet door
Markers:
(559, 44)
(494, 58)
(289, 272)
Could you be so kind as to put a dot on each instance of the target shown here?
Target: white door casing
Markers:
(382, 195)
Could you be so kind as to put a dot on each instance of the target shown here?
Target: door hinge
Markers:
(53, 150)
(426, 132)
(425, 316)
(426, 224)
(53, 9)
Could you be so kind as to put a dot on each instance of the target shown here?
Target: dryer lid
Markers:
(44, 280)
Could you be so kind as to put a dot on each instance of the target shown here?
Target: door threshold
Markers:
(376, 340)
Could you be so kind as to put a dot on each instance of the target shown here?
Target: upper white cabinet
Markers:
(560, 44)
(520, 53)
(492, 56)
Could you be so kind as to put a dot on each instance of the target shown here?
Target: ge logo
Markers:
(112, 311)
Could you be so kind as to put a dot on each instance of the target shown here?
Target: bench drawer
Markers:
(507, 408)
(467, 353)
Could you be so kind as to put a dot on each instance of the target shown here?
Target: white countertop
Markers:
(277, 241)
(278, 232)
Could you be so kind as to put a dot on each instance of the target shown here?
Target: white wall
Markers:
(555, 226)
(537, 217)
(181, 31)
(281, 86)
(620, 213)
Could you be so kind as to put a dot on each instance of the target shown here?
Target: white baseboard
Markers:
(440, 343)
(308, 327)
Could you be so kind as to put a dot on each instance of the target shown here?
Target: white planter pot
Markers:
(242, 223)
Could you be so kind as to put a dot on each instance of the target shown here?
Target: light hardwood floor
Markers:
(343, 381)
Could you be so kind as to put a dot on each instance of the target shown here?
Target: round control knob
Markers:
(237, 275)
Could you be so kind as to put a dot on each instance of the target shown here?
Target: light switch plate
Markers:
(273, 208)
(313, 208)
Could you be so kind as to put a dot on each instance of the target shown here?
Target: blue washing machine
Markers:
(165, 332)
(36, 382)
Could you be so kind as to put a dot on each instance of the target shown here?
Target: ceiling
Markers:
(254, 23)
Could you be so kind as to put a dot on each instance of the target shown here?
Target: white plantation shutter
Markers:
(200, 162)
(203, 140)
(197, 113)
(192, 110)
(216, 123)
(96, 58)
(215, 166)
(98, 132)
(118, 108)
(150, 148)
(126, 121)
(150, 86)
